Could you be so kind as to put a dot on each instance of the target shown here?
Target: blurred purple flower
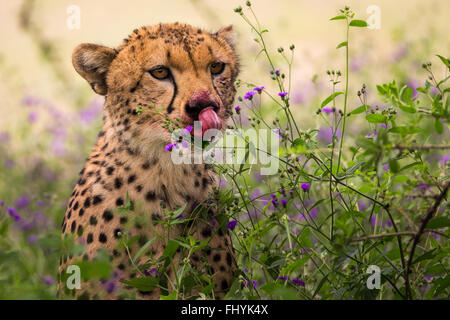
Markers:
(423, 187)
(92, 112)
(284, 202)
(259, 89)
(362, 205)
(48, 280)
(327, 109)
(231, 224)
(22, 202)
(256, 194)
(305, 186)
(249, 95)
(169, 147)
(32, 239)
(282, 94)
(400, 52)
(4, 137)
(9, 163)
(110, 286)
(414, 84)
(445, 159)
(283, 278)
(13, 213)
(237, 109)
(2, 202)
(434, 90)
(298, 282)
(326, 135)
(277, 72)
(356, 63)
(32, 117)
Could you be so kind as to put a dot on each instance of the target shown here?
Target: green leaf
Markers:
(145, 284)
(409, 109)
(393, 165)
(438, 222)
(295, 266)
(426, 256)
(438, 126)
(360, 109)
(340, 17)
(358, 23)
(376, 118)
(342, 44)
(444, 60)
(405, 130)
(400, 179)
(143, 248)
(171, 248)
(330, 97)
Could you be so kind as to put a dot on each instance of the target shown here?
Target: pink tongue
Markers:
(209, 119)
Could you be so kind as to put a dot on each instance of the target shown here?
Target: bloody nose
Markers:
(201, 100)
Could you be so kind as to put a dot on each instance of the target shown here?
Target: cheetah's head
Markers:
(186, 73)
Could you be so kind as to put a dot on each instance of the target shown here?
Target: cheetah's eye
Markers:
(160, 73)
(217, 67)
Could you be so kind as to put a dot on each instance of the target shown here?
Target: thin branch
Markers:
(395, 234)
(429, 147)
(430, 214)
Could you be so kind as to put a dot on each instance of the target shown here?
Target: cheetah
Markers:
(187, 74)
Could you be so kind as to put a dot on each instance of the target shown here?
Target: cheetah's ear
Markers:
(228, 34)
(92, 62)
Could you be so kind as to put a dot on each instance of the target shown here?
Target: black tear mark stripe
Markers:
(175, 91)
(188, 51)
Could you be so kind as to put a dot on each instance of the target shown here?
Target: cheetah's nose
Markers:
(202, 99)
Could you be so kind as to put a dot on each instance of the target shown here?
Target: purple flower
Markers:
(249, 95)
(32, 117)
(255, 283)
(2, 202)
(277, 72)
(231, 224)
(13, 213)
(169, 147)
(91, 113)
(110, 286)
(445, 159)
(413, 84)
(305, 186)
(423, 187)
(152, 272)
(186, 131)
(4, 137)
(382, 125)
(282, 94)
(327, 109)
(284, 278)
(256, 194)
(259, 89)
(48, 280)
(284, 202)
(386, 168)
(237, 109)
(22, 202)
(32, 239)
(39, 203)
(180, 216)
(326, 135)
(298, 282)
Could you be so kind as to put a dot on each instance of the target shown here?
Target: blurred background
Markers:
(49, 117)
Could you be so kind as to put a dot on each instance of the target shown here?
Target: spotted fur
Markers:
(129, 157)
